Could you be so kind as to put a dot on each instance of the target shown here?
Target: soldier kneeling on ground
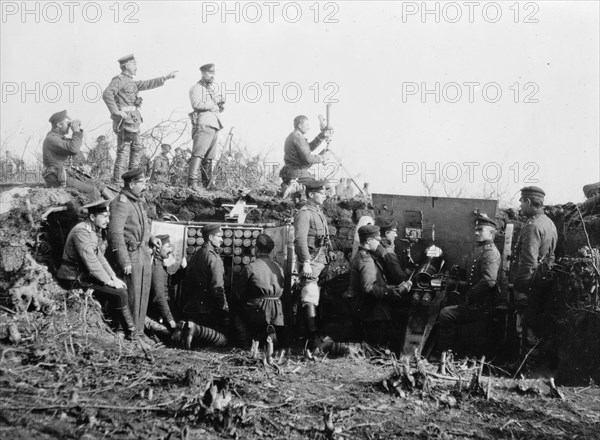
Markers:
(84, 266)
(259, 293)
(159, 321)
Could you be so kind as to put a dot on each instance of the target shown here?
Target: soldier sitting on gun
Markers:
(259, 292)
(480, 298)
(84, 265)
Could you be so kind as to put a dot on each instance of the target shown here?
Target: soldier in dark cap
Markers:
(160, 167)
(84, 265)
(259, 292)
(386, 251)
(312, 246)
(204, 287)
(534, 259)
(297, 153)
(123, 102)
(482, 285)
(130, 242)
(373, 297)
(56, 151)
(207, 104)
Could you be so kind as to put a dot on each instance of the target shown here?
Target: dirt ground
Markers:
(72, 378)
(68, 376)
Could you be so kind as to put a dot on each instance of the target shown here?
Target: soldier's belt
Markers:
(130, 108)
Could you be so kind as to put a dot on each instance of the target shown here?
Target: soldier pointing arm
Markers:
(123, 102)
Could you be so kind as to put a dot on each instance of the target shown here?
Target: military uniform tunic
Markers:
(297, 156)
(391, 265)
(205, 120)
(128, 241)
(374, 301)
(56, 150)
(160, 169)
(122, 95)
(311, 238)
(536, 245)
(84, 265)
(159, 291)
(84, 254)
(482, 288)
(260, 290)
(205, 287)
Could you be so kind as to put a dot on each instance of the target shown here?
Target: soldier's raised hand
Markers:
(171, 74)
(76, 125)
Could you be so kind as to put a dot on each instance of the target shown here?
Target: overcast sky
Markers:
(461, 92)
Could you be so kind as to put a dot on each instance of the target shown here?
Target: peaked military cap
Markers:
(484, 220)
(166, 147)
(126, 59)
(368, 231)
(164, 239)
(208, 68)
(265, 243)
(386, 223)
(533, 191)
(589, 190)
(134, 174)
(100, 138)
(211, 229)
(97, 207)
(314, 185)
(58, 117)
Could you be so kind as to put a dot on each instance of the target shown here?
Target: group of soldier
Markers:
(124, 102)
(133, 273)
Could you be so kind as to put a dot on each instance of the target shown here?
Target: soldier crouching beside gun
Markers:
(207, 307)
(56, 150)
(84, 266)
(373, 297)
(158, 305)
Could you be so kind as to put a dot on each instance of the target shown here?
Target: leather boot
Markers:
(310, 319)
(128, 323)
(121, 162)
(194, 173)
(207, 172)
